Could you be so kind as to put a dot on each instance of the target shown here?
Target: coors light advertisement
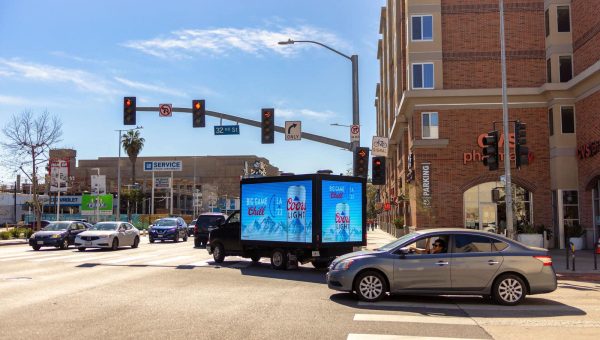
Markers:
(342, 212)
(279, 212)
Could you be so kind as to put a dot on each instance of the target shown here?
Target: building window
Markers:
(422, 76)
(547, 21)
(568, 119)
(551, 121)
(430, 125)
(548, 70)
(566, 68)
(563, 19)
(570, 207)
(422, 27)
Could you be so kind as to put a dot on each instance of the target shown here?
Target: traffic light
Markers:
(129, 111)
(378, 171)
(268, 126)
(521, 151)
(198, 113)
(490, 149)
(361, 162)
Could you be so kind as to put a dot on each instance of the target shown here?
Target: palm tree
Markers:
(133, 144)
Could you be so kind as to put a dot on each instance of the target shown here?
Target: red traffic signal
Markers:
(378, 171)
(267, 126)
(129, 111)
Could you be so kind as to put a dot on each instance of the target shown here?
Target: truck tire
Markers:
(218, 253)
(279, 259)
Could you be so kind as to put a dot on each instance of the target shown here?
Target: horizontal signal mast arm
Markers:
(305, 135)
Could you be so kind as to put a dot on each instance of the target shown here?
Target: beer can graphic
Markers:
(342, 222)
(296, 213)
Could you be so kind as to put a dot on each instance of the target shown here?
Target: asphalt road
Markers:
(173, 291)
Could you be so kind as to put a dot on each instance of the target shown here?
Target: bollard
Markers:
(572, 246)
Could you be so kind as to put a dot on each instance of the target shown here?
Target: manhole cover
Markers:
(20, 278)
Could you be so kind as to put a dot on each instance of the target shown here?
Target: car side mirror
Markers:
(403, 252)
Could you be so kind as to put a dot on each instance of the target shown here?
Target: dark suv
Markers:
(169, 228)
(203, 224)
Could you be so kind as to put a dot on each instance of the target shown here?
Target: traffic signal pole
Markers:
(255, 123)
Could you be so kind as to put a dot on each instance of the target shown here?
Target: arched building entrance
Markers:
(485, 207)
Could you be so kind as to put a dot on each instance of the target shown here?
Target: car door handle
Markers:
(441, 263)
(492, 262)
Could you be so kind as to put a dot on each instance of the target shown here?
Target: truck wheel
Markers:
(255, 258)
(218, 253)
(320, 264)
(279, 259)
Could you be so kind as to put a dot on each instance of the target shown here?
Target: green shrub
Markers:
(28, 232)
(4, 235)
(575, 230)
(15, 232)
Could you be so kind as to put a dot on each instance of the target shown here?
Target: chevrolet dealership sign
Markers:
(163, 166)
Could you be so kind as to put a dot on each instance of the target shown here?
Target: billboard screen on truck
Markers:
(342, 211)
(279, 212)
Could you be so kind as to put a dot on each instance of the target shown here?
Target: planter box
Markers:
(578, 242)
(533, 240)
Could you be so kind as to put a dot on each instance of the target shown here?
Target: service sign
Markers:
(342, 211)
(163, 166)
(279, 211)
(380, 146)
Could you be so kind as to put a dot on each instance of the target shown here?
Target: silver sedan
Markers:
(446, 262)
(108, 235)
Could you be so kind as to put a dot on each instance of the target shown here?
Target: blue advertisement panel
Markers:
(342, 211)
(280, 212)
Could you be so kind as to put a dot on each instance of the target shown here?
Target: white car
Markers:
(108, 235)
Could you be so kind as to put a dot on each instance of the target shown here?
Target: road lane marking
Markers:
(462, 306)
(397, 337)
(171, 259)
(447, 320)
(26, 257)
(129, 259)
(92, 257)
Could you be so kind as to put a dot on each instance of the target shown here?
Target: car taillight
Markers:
(546, 260)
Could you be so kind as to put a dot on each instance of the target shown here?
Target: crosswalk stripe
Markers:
(26, 256)
(447, 320)
(129, 259)
(92, 257)
(53, 258)
(200, 263)
(171, 259)
(461, 306)
(397, 337)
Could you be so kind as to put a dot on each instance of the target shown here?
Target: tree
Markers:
(31, 138)
(132, 144)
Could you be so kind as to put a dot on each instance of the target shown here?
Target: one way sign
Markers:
(293, 130)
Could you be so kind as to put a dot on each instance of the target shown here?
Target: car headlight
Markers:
(343, 265)
(32, 235)
(56, 236)
(104, 236)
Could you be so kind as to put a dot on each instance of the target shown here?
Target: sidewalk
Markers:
(584, 259)
(13, 242)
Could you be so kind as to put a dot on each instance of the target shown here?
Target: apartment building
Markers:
(440, 93)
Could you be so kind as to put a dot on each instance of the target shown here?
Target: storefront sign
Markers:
(476, 156)
(426, 176)
(588, 150)
(387, 206)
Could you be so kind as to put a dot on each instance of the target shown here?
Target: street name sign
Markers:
(227, 130)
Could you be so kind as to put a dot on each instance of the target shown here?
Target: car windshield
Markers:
(399, 241)
(209, 220)
(105, 226)
(166, 223)
(57, 226)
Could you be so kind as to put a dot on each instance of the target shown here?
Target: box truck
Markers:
(297, 218)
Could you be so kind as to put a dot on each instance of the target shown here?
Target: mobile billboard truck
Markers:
(290, 219)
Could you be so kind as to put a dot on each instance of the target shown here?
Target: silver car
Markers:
(108, 235)
(446, 261)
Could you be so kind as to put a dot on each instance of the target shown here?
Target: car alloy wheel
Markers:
(509, 290)
(115, 244)
(370, 286)
(136, 242)
(64, 244)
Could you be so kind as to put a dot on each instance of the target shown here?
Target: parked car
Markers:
(203, 224)
(191, 228)
(471, 263)
(58, 234)
(169, 228)
(108, 235)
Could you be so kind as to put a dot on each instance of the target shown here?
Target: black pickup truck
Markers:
(290, 219)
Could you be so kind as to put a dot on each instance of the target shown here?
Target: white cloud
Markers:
(17, 101)
(220, 41)
(150, 87)
(81, 79)
(306, 113)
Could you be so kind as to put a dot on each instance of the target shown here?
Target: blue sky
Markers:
(78, 59)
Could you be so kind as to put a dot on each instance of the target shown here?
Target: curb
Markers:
(13, 242)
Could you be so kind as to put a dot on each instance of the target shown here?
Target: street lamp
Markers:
(354, 60)
(119, 170)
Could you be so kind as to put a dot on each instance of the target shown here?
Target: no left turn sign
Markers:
(165, 110)
(355, 133)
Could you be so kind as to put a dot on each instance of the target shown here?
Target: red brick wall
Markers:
(587, 113)
(450, 177)
(585, 25)
(471, 43)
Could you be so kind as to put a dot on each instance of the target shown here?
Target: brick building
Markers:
(440, 93)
